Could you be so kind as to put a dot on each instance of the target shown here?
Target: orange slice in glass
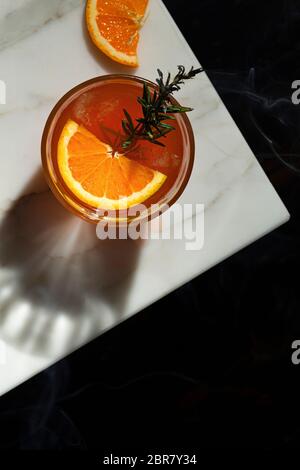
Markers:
(99, 178)
(114, 27)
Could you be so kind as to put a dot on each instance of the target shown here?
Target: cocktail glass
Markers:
(98, 105)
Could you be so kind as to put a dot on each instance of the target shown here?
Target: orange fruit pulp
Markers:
(114, 27)
(96, 108)
(99, 174)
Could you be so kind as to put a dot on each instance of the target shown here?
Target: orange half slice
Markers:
(114, 27)
(99, 178)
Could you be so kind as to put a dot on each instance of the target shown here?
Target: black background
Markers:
(209, 366)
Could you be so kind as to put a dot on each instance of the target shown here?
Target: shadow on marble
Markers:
(105, 62)
(58, 281)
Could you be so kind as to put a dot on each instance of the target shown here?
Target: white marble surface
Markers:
(19, 18)
(59, 285)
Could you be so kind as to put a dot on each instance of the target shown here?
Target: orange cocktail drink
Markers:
(89, 170)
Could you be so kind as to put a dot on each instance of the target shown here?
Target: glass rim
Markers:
(50, 122)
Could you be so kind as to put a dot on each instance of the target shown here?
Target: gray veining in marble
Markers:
(19, 18)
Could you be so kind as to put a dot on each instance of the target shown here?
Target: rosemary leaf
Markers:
(156, 108)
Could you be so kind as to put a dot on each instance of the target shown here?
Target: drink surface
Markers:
(99, 108)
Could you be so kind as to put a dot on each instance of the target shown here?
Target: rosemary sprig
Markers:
(157, 108)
